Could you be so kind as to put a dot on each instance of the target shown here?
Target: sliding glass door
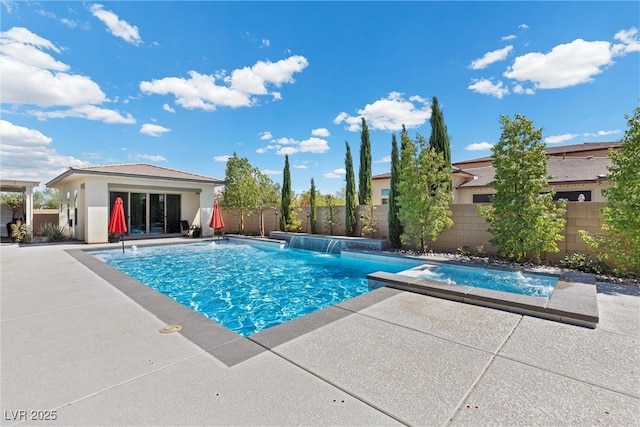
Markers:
(150, 213)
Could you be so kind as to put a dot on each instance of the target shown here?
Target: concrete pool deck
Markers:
(74, 343)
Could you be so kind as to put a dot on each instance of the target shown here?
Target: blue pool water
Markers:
(537, 285)
(243, 287)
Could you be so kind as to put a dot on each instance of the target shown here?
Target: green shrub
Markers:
(582, 262)
(53, 233)
(19, 232)
(464, 250)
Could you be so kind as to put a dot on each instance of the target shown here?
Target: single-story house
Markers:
(156, 200)
(26, 213)
(579, 173)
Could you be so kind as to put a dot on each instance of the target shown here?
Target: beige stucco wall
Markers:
(376, 187)
(93, 202)
(469, 229)
(252, 221)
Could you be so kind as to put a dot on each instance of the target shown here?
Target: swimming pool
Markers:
(246, 288)
(536, 285)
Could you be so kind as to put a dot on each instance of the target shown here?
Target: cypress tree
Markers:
(395, 226)
(350, 195)
(364, 174)
(285, 211)
(439, 139)
(312, 207)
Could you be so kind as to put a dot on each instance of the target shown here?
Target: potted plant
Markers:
(196, 231)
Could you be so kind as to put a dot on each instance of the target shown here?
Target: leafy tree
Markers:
(350, 195)
(621, 214)
(424, 197)
(524, 222)
(364, 174)
(312, 207)
(285, 204)
(240, 189)
(331, 213)
(395, 226)
(13, 201)
(48, 198)
(267, 195)
(439, 139)
(341, 197)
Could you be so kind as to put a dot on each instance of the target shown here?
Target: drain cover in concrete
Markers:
(170, 328)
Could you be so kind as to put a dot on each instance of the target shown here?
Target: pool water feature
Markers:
(247, 288)
(536, 285)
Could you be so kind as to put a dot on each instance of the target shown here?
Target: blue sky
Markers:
(183, 85)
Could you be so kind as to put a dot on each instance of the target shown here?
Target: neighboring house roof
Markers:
(563, 171)
(135, 170)
(382, 176)
(555, 151)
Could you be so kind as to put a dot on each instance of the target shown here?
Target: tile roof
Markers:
(563, 171)
(136, 170)
(556, 151)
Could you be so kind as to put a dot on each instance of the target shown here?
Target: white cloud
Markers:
(479, 146)
(629, 39)
(564, 66)
(385, 159)
(608, 132)
(337, 173)
(31, 76)
(167, 107)
(487, 87)
(313, 145)
(9, 5)
(68, 22)
(519, 89)
(26, 154)
(491, 57)
(222, 159)
(201, 91)
(261, 150)
(389, 114)
(265, 136)
(321, 132)
(523, 26)
(300, 167)
(266, 42)
(148, 157)
(89, 112)
(153, 130)
(287, 150)
(271, 172)
(286, 141)
(115, 25)
(277, 96)
(556, 139)
(508, 38)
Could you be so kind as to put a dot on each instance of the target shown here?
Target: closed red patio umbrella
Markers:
(217, 223)
(117, 222)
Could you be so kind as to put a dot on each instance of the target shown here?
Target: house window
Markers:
(385, 201)
(385, 192)
(482, 198)
(573, 196)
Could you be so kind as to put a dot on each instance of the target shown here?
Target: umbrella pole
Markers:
(122, 237)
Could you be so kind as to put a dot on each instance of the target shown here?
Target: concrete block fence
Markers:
(469, 228)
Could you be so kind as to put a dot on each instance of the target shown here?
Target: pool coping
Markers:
(573, 301)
